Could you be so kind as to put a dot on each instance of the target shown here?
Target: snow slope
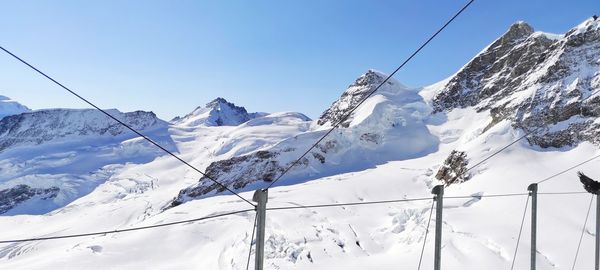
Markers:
(391, 148)
(69, 150)
(10, 107)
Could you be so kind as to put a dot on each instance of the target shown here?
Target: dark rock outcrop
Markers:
(11, 197)
(235, 173)
(454, 169)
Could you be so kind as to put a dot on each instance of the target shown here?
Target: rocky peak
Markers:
(218, 112)
(219, 103)
(517, 31)
(357, 91)
(372, 77)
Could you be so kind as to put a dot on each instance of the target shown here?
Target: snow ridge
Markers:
(10, 107)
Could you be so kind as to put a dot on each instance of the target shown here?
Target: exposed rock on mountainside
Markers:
(218, 112)
(540, 82)
(454, 169)
(259, 166)
(11, 197)
(41, 126)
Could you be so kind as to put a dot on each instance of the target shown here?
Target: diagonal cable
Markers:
(349, 113)
(124, 124)
(512, 266)
(582, 232)
(123, 230)
(568, 169)
(251, 240)
(425, 237)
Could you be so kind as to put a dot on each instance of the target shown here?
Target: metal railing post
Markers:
(533, 188)
(260, 196)
(439, 205)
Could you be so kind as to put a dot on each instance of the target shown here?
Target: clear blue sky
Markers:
(171, 56)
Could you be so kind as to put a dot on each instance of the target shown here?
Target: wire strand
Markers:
(124, 230)
(520, 232)
(251, 241)
(563, 193)
(582, 232)
(124, 124)
(425, 237)
(486, 196)
(407, 200)
(345, 204)
(280, 208)
(568, 169)
(349, 113)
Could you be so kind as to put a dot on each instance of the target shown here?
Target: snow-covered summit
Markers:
(357, 91)
(10, 107)
(218, 112)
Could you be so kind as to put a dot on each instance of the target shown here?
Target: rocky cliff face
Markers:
(236, 173)
(543, 83)
(41, 126)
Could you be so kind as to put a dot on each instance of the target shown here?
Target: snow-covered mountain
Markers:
(398, 144)
(10, 107)
(63, 124)
(536, 80)
(218, 112)
(51, 157)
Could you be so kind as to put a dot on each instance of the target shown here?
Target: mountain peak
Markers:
(218, 101)
(370, 77)
(357, 91)
(518, 30)
(218, 112)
